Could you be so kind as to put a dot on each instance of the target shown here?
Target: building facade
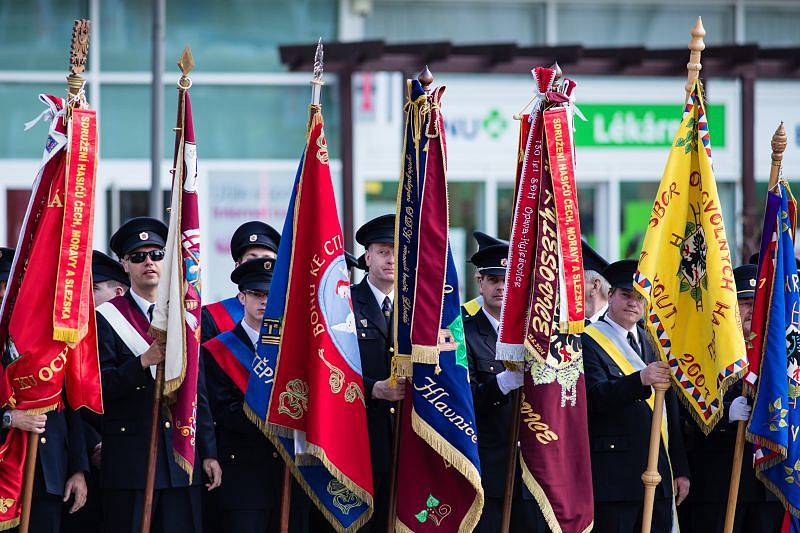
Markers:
(250, 113)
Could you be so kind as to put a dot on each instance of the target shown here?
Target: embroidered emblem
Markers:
(353, 393)
(692, 269)
(322, 153)
(343, 498)
(143, 236)
(336, 378)
(5, 504)
(433, 511)
(294, 400)
(564, 365)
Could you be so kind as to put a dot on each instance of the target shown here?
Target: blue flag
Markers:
(775, 422)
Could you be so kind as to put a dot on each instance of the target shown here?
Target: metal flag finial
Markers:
(316, 81)
(79, 51)
(186, 64)
(425, 78)
(778, 146)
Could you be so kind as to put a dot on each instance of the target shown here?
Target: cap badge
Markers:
(504, 262)
(143, 236)
(253, 237)
(752, 283)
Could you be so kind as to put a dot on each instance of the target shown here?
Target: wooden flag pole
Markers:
(79, 49)
(286, 499)
(27, 487)
(778, 147)
(651, 478)
(511, 460)
(186, 64)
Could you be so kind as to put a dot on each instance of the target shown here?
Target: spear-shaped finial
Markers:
(778, 147)
(316, 81)
(558, 73)
(425, 78)
(696, 47)
(79, 51)
(186, 64)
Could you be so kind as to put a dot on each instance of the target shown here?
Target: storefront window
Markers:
(458, 21)
(231, 122)
(31, 31)
(235, 35)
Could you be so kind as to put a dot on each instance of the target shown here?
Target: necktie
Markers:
(150, 312)
(387, 310)
(634, 344)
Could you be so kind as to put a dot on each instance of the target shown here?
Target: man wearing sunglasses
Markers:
(251, 240)
(249, 499)
(128, 356)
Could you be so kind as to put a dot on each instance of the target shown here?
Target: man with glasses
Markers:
(249, 499)
(128, 356)
(251, 240)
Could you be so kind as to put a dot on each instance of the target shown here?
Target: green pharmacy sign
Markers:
(639, 125)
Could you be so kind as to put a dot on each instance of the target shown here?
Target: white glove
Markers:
(509, 380)
(739, 410)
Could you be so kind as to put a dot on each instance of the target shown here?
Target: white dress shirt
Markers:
(622, 331)
(379, 295)
(143, 304)
(492, 320)
(251, 333)
(595, 317)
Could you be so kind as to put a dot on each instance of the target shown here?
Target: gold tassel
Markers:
(68, 335)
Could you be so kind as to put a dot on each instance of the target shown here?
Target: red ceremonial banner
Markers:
(37, 368)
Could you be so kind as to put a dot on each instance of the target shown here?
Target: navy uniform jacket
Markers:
(619, 428)
(492, 407)
(376, 346)
(62, 451)
(128, 401)
(252, 469)
(711, 456)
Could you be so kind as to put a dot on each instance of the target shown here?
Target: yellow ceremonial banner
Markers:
(686, 276)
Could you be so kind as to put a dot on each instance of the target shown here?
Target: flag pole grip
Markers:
(651, 478)
(27, 486)
(511, 460)
(152, 453)
(286, 499)
(398, 413)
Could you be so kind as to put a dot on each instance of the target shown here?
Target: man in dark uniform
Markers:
(62, 462)
(251, 240)
(250, 496)
(595, 285)
(483, 239)
(491, 386)
(373, 303)
(109, 280)
(620, 367)
(127, 378)
(710, 457)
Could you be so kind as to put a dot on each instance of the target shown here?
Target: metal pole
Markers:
(157, 110)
